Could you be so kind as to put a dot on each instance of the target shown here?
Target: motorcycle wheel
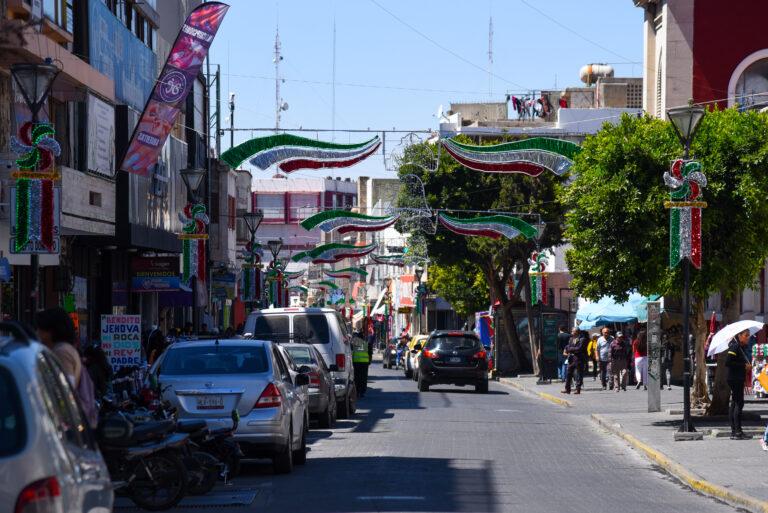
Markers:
(233, 466)
(160, 483)
(206, 475)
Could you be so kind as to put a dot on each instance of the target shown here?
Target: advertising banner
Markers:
(158, 274)
(121, 339)
(101, 137)
(172, 87)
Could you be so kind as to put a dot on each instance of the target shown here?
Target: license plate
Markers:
(210, 402)
(454, 359)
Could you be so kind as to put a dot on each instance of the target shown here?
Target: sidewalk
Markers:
(732, 470)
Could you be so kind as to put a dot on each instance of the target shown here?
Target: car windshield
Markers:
(311, 328)
(301, 355)
(270, 325)
(184, 361)
(12, 432)
(453, 343)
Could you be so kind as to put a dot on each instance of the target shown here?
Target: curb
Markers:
(681, 473)
(541, 395)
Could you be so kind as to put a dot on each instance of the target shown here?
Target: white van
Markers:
(325, 329)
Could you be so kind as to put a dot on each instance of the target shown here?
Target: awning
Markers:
(608, 311)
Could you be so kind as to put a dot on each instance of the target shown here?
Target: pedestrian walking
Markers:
(640, 353)
(604, 355)
(592, 355)
(738, 366)
(619, 353)
(360, 363)
(563, 338)
(667, 360)
(576, 352)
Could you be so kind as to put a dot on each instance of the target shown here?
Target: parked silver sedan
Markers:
(207, 379)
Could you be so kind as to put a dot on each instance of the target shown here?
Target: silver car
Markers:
(49, 460)
(207, 379)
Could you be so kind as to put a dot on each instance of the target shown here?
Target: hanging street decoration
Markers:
(345, 221)
(494, 226)
(333, 252)
(347, 273)
(172, 87)
(193, 236)
(292, 275)
(291, 153)
(328, 284)
(530, 156)
(298, 288)
(35, 199)
(396, 259)
(538, 277)
(685, 181)
(251, 285)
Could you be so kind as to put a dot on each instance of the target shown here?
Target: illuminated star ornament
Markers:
(291, 153)
(194, 234)
(538, 277)
(685, 181)
(332, 253)
(529, 156)
(495, 226)
(345, 221)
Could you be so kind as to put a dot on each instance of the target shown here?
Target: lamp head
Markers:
(686, 121)
(34, 82)
(192, 177)
(253, 220)
(274, 247)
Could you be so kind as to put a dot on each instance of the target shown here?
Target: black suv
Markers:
(453, 357)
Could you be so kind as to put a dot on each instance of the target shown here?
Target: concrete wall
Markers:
(88, 204)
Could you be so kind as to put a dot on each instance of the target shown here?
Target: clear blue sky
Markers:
(531, 50)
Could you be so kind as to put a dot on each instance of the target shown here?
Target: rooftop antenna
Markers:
(490, 56)
(333, 84)
(280, 105)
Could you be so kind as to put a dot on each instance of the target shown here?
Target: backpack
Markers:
(86, 394)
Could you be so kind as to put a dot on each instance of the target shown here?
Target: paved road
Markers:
(453, 450)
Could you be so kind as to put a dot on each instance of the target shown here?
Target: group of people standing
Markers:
(612, 357)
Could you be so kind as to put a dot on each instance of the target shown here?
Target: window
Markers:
(282, 369)
(272, 205)
(61, 403)
(270, 324)
(311, 328)
(301, 355)
(185, 361)
(454, 343)
(59, 12)
(13, 432)
(302, 205)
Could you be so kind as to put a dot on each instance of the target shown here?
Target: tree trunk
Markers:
(699, 394)
(511, 339)
(721, 393)
(533, 334)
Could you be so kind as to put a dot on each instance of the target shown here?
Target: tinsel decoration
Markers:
(333, 252)
(345, 221)
(538, 277)
(530, 156)
(34, 227)
(347, 273)
(252, 253)
(293, 275)
(421, 293)
(397, 259)
(298, 288)
(494, 226)
(328, 284)
(685, 181)
(291, 152)
(194, 234)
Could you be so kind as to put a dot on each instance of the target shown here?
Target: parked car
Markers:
(322, 393)
(411, 353)
(207, 379)
(325, 330)
(389, 357)
(453, 357)
(49, 459)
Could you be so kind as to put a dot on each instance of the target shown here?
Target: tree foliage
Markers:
(461, 284)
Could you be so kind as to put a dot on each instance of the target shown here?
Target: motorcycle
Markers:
(218, 443)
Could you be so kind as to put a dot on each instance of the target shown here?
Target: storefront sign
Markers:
(5, 270)
(101, 137)
(223, 285)
(156, 274)
(171, 89)
(121, 339)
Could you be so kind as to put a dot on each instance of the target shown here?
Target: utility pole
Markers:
(218, 109)
(490, 57)
(333, 82)
(231, 120)
(277, 60)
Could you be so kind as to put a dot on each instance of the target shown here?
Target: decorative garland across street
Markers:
(292, 275)
(346, 273)
(328, 284)
(345, 221)
(494, 226)
(396, 259)
(685, 181)
(291, 152)
(530, 156)
(299, 288)
(35, 200)
(538, 277)
(193, 237)
(332, 253)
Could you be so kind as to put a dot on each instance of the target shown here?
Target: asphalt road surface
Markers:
(452, 450)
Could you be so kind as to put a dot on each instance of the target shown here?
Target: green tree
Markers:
(457, 189)
(461, 284)
(619, 228)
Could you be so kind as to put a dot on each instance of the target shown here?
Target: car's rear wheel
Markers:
(300, 454)
(326, 419)
(423, 385)
(482, 387)
(346, 407)
(282, 463)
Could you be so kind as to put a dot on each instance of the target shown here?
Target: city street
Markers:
(454, 450)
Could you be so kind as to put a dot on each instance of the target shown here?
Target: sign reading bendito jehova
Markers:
(121, 339)
(173, 85)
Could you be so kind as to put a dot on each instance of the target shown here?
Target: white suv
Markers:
(325, 329)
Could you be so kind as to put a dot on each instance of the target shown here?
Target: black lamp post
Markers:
(252, 222)
(34, 82)
(275, 245)
(419, 272)
(192, 178)
(686, 121)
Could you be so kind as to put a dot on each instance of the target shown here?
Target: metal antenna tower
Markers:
(279, 105)
(333, 82)
(490, 56)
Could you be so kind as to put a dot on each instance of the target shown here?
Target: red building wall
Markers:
(724, 34)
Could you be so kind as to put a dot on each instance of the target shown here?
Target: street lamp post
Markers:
(34, 82)
(388, 300)
(192, 178)
(252, 222)
(419, 272)
(275, 245)
(686, 121)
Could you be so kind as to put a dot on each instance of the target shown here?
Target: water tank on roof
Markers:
(591, 72)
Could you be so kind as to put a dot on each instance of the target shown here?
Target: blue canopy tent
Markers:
(608, 311)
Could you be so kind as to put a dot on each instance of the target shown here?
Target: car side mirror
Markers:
(302, 380)
(305, 369)
(333, 368)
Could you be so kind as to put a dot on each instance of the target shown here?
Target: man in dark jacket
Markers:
(563, 338)
(576, 351)
(738, 365)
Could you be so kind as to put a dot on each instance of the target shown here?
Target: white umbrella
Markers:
(722, 338)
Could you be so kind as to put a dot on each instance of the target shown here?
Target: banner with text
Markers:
(121, 339)
(173, 85)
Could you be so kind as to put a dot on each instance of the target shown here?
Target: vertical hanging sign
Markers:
(171, 89)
